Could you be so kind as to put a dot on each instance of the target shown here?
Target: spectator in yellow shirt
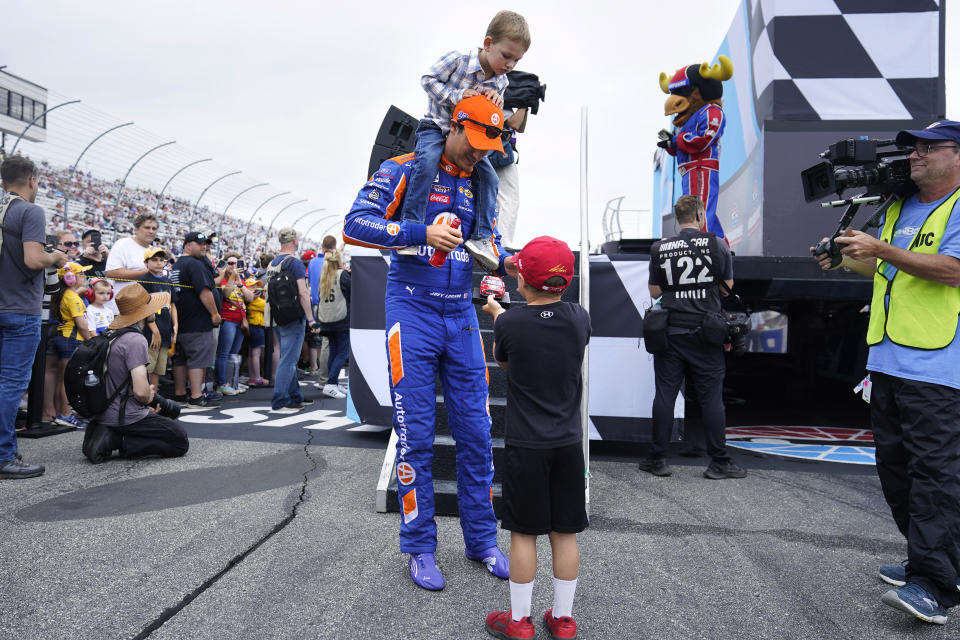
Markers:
(72, 329)
(255, 310)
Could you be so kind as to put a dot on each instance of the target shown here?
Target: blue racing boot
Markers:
(496, 562)
(424, 571)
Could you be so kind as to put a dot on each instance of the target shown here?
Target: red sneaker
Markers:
(501, 625)
(560, 628)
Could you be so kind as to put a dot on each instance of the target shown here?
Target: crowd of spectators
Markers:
(110, 248)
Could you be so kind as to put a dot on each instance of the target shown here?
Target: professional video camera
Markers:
(881, 172)
(884, 174)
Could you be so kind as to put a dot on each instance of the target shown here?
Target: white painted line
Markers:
(370, 428)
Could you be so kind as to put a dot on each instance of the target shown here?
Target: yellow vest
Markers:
(921, 314)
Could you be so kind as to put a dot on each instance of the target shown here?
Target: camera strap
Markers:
(5, 201)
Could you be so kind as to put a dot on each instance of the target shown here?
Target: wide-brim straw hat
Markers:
(135, 304)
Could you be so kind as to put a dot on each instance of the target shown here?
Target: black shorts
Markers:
(544, 490)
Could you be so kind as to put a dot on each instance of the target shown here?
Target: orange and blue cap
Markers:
(482, 121)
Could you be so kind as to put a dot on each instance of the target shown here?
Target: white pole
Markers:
(585, 299)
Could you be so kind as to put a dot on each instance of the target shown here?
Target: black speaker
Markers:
(397, 136)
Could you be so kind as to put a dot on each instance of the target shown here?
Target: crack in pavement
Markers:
(170, 612)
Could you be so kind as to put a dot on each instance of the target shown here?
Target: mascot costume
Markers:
(695, 97)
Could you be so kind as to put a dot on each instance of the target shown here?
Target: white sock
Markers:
(563, 591)
(521, 597)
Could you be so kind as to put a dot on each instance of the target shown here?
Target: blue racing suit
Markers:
(431, 327)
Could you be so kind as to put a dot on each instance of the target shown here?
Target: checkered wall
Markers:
(847, 59)
(621, 384)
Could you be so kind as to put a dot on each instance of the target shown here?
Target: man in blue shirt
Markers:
(914, 342)
(287, 397)
(22, 262)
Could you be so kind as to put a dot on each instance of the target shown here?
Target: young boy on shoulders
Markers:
(541, 346)
(455, 76)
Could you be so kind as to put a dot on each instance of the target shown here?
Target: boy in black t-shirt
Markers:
(541, 346)
(161, 329)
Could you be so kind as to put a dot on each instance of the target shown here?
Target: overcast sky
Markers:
(292, 93)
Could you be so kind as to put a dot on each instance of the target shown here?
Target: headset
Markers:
(90, 294)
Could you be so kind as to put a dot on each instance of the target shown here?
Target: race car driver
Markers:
(431, 327)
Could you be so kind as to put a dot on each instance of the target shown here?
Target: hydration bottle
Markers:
(439, 257)
(91, 379)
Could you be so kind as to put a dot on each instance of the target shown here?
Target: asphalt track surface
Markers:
(269, 531)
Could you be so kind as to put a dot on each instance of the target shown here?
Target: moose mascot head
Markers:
(692, 87)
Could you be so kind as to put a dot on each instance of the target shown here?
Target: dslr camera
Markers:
(167, 408)
(857, 163)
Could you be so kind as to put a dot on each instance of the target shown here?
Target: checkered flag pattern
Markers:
(847, 59)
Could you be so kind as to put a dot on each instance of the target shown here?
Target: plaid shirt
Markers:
(447, 79)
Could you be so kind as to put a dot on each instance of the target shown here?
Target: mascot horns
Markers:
(664, 81)
(723, 70)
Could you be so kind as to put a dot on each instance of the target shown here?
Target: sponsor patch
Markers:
(374, 195)
(442, 199)
(462, 114)
(441, 188)
(495, 118)
(465, 192)
(405, 473)
(444, 218)
(393, 228)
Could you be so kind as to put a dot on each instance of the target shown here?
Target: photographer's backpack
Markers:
(85, 378)
(283, 294)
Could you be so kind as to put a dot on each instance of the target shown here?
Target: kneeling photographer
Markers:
(913, 385)
(687, 334)
(137, 421)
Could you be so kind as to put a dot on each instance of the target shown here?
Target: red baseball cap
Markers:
(308, 255)
(542, 258)
(480, 118)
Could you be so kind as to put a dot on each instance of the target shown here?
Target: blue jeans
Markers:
(286, 386)
(429, 149)
(19, 337)
(229, 343)
(339, 350)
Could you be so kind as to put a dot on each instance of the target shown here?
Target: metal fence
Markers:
(99, 171)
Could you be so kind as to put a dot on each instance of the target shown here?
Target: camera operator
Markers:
(914, 380)
(138, 422)
(691, 295)
(22, 264)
